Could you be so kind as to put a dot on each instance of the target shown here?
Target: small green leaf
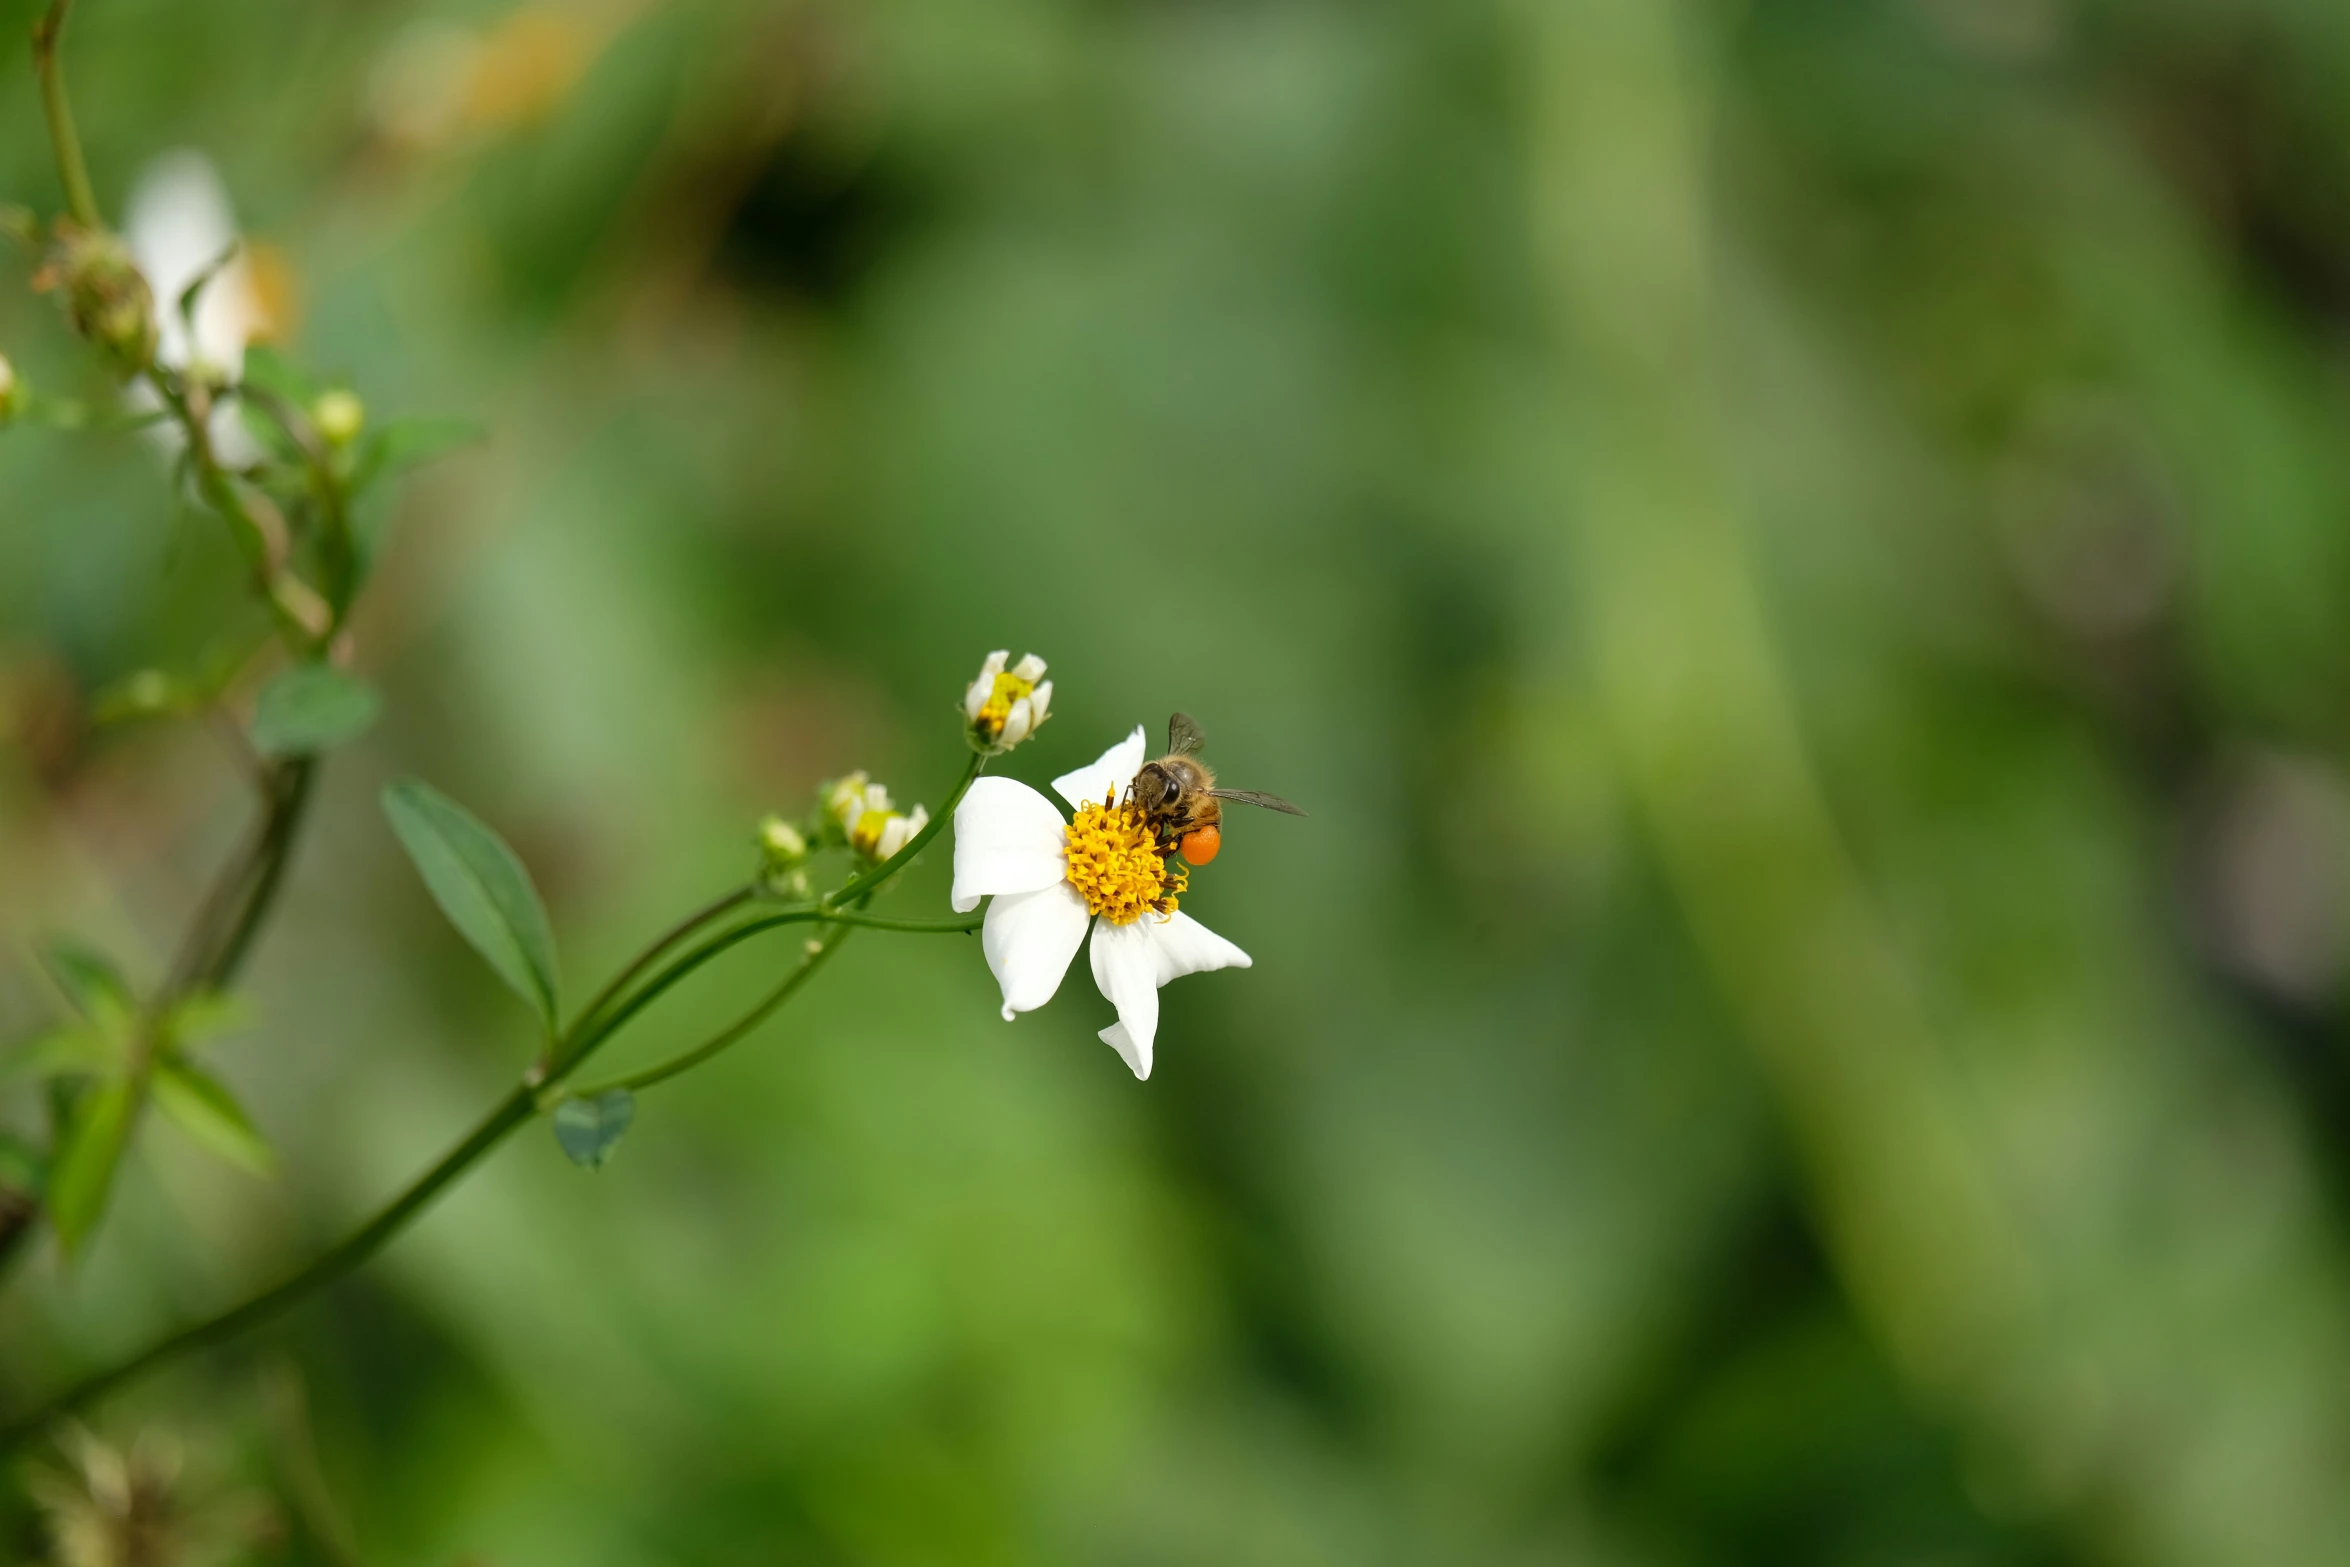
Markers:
(205, 1014)
(408, 443)
(62, 1052)
(89, 1151)
(203, 1108)
(90, 981)
(311, 707)
(588, 1130)
(481, 886)
(267, 370)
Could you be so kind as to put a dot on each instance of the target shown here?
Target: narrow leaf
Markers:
(588, 1130)
(201, 1106)
(90, 981)
(311, 707)
(61, 1052)
(481, 886)
(205, 1014)
(407, 443)
(88, 1153)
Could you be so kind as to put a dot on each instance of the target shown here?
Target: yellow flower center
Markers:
(865, 834)
(1116, 867)
(1009, 688)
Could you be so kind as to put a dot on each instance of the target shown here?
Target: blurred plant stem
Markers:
(72, 172)
(1686, 668)
(596, 1025)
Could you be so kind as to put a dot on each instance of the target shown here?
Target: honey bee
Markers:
(1179, 799)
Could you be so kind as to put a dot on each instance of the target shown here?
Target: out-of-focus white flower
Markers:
(872, 825)
(1003, 707)
(180, 223)
(1050, 879)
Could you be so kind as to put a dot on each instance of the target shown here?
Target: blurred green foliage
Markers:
(1799, 553)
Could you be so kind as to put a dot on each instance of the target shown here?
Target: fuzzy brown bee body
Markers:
(1180, 802)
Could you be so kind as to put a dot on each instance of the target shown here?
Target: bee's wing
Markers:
(1271, 802)
(1183, 736)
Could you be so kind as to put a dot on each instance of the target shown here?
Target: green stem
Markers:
(72, 172)
(516, 1108)
(859, 886)
(511, 1112)
(827, 943)
(660, 944)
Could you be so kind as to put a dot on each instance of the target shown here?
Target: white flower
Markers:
(1050, 878)
(179, 223)
(1005, 706)
(873, 827)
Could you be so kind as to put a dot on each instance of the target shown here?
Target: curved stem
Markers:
(72, 172)
(519, 1106)
(660, 944)
(516, 1108)
(858, 886)
(827, 943)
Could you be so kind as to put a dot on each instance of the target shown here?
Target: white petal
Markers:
(179, 222)
(1137, 1061)
(1127, 970)
(1008, 838)
(1131, 962)
(1040, 702)
(1105, 778)
(1029, 938)
(1183, 946)
(1015, 724)
(1030, 668)
(976, 697)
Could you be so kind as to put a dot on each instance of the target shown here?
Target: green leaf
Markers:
(312, 707)
(62, 1052)
(91, 982)
(203, 1108)
(267, 370)
(587, 1130)
(481, 886)
(408, 443)
(205, 1014)
(89, 1151)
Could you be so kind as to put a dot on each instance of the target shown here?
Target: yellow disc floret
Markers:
(1116, 867)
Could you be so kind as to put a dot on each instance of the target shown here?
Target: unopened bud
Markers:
(781, 843)
(106, 298)
(11, 391)
(1003, 707)
(340, 416)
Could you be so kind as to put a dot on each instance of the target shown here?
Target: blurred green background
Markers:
(1797, 550)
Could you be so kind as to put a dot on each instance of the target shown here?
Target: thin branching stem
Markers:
(519, 1106)
(72, 172)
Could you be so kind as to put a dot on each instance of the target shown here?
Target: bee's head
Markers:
(1156, 786)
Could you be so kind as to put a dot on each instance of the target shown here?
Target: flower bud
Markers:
(106, 297)
(1003, 707)
(783, 850)
(782, 844)
(340, 416)
(12, 391)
